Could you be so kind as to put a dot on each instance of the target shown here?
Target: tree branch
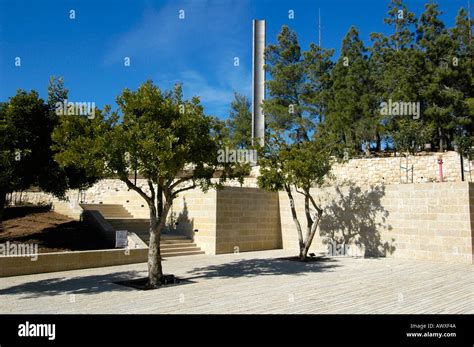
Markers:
(178, 182)
(130, 185)
(152, 190)
(174, 194)
(320, 211)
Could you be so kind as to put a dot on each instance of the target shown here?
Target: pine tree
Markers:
(350, 103)
(443, 101)
(240, 122)
(395, 64)
(285, 103)
(463, 42)
(318, 66)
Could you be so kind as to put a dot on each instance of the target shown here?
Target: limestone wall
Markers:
(431, 221)
(65, 261)
(68, 206)
(386, 170)
(247, 220)
(193, 212)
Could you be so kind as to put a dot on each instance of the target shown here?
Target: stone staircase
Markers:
(121, 219)
(109, 211)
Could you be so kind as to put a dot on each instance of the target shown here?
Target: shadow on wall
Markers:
(357, 217)
(181, 224)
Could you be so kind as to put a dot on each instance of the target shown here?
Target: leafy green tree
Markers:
(167, 139)
(296, 167)
(24, 125)
(240, 122)
(7, 147)
(411, 136)
(53, 178)
(465, 146)
(26, 157)
(409, 139)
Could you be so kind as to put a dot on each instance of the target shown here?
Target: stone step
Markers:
(121, 219)
(109, 211)
(167, 255)
(136, 226)
(131, 222)
(166, 240)
(179, 250)
(177, 244)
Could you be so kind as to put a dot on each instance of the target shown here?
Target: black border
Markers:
(237, 329)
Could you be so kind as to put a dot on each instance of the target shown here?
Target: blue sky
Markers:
(198, 51)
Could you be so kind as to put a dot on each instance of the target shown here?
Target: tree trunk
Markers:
(310, 237)
(159, 198)
(295, 219)
(378, 141)
(3, 196)
(309, 219)
(367, 149)
(354, 141)
(155, 269)
(441, 140)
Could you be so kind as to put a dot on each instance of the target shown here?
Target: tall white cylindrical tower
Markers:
(258, 81)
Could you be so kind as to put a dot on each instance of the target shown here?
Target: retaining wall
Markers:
(430, 221)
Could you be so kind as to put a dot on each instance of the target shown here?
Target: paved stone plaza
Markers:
(254, 282)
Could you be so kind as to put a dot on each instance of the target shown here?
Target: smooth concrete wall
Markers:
(247, 220)
(430, 221)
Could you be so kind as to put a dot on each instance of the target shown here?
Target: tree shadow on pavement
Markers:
(261, 267)
(93, 284)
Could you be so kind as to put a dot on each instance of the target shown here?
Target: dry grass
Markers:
(52, 231)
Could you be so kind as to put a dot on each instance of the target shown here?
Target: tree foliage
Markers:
(240, 122)
(166, 138)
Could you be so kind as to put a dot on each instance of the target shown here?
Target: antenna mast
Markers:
(319, 27)
(469, 18)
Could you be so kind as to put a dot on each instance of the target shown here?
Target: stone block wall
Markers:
(430, 221)
(247, 219)
(386, 170)
(65, 261)
(193, 212)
